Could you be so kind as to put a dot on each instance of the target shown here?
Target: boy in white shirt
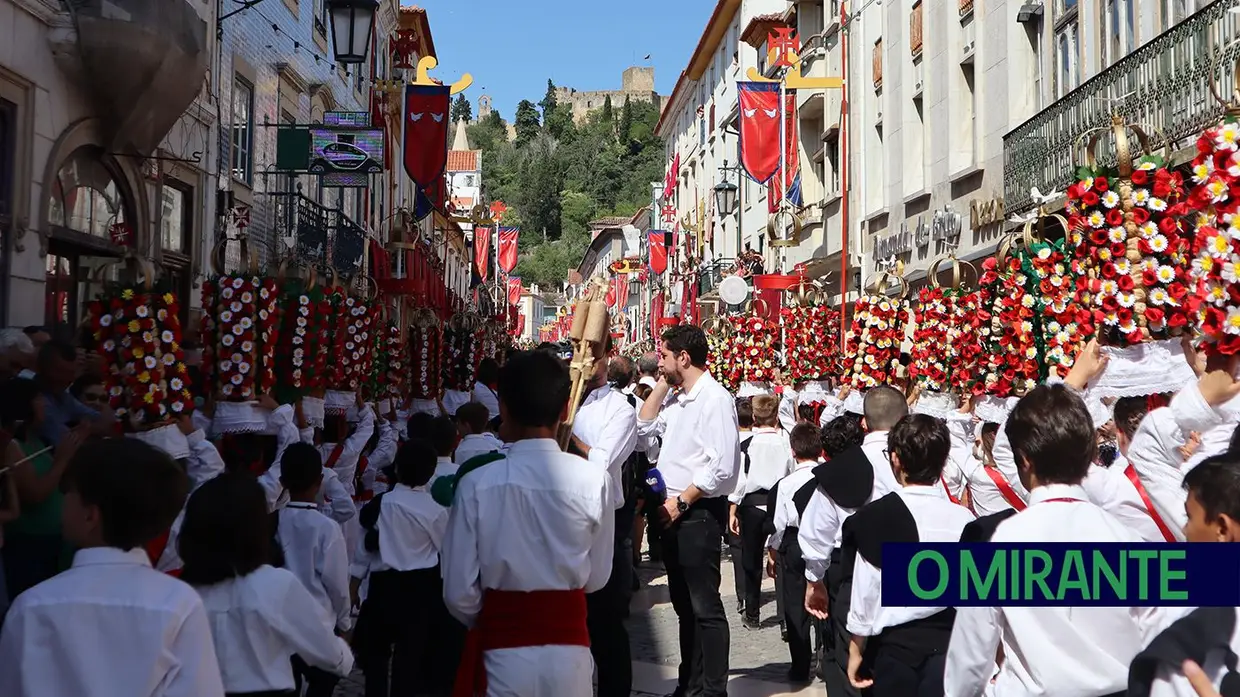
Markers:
(112, 625)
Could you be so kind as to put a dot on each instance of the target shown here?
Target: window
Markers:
(1033, 33)
(1067, 58)
(1174, 12)
(320, 17)
(177, 220)
(1117, 23)
(243, 130)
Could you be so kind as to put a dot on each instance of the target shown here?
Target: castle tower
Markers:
(484, 107)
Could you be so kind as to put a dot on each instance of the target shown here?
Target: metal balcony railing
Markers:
(1164, 84)
(712, 274)
(323, 237)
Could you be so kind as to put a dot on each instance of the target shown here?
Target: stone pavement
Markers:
(758, 662)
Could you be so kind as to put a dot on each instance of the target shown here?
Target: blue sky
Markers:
(511, 47)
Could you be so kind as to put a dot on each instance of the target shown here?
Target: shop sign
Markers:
(985, 212)
(898, 242)
(946, 225)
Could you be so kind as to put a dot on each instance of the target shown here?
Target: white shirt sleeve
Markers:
(356, 443)
(971, 652)
(779, 517)
(867, 592)
(833, 409)
(340, 508)
(298, 621)
(602, 550)
(197, 672)
(286, 431)
(617, 442)
(720, 435)
(334, 570)
(788, 409)
(1005, 462)
(459, 563)
(205, 462)
(385, 452)
(816, 535)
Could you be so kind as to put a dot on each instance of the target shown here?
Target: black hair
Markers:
(690, 339)
(475, 415)
(922, 443)
(744, 412)
(56, 349)
(806, 413)
(1215, 483)
(245, 452)
(488, 371)
(138, 489)
(335, 428)
(1128, 413)
(841, 433)
(17, 397)
(545, 346)
(806, 442)
(884, 406)
(301, 467)
(990, 430)
(226, 532)
(621, 372)
(415, 462)
(1051, 429)
(442, 434)
(1233, 446)
(534, 386)
(642, 392)
(35, 329)
(419, 425)
(87, 380)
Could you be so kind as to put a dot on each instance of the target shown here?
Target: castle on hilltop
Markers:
(637, 84)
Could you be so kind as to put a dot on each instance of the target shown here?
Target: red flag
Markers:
(781, 44)
(482, 251)
(669, 184)
(426, 132)
(791, 160)
(514, 290)
(658, 252)
(621, 287)
(508, 248)
(759, 134)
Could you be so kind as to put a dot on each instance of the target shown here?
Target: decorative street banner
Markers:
(791, 176)
(482, 252)
(658, 251)
(759, 134)
(669, 184)
(426, 132)
(345, 150)
(514, 290)
(1085, 574)
(508, 248)
(619, 291)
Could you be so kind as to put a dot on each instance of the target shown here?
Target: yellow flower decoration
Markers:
(144, 377)
(127, 294)
(134, 327)
(149, 397)
(168, 298)
(138, 353)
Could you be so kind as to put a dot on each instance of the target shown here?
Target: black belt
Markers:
(757, 498)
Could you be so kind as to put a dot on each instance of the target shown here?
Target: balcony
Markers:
(320, 236)
(1163, 85)
(712, 274)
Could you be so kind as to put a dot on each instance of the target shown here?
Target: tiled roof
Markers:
(463, 203)
(463, 160)
(611, 221)
(760, 27)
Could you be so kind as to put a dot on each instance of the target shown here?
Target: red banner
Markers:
(426, 132)
(658, 252)
(482, 251)
(514, 290)
(673, 172)
(620, 289)
(792, 161)
(759, 132)
(656, 315)
(507, 249)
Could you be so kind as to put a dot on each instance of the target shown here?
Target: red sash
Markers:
(513, 620)
(1004, 488)
(155, 549)
(359, 489)
(949, 491)
(1131, 473)
(334, 457)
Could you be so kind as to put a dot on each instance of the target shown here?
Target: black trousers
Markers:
(835, 651)
(607, 609)
(738, 574)
(404, 623)
(797, 620)
(753, 553)
(692, 550)
(896, 678)
(264, 693)
(319, 683)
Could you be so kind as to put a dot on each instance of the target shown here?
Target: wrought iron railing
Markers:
(712, 274)
(312, 228)
(1164, 84)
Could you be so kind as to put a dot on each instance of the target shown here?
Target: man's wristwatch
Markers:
(681, 506)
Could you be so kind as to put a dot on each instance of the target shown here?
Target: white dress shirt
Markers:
(1172, 683)
(822, 524)
(1110, 489)
(110, 626)
(785, 515)
(487, 398)
(204, 464)
(770, 460)
(350, 450)
(1051, 651)
(444, 466)
(700, 439)
(314, 550)
(540, 519)
(411, 531)
(984, 494)
(938, 520)
(259, 621)
(476, 444)
(607, 424)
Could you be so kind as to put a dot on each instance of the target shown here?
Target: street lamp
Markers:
(726, 195)
(352, 21)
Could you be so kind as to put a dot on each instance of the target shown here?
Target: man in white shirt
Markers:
(605, 434)
(700, 462)
(848, 481)
(473, 423)
(1051, 651)
(484, 388)
(520, 579)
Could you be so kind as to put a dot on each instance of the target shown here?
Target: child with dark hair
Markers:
(840, 434)
(259, 614)
(476, 437)
(378, 456)
(111, 611)
(904, 648)
(443, 436)
(403, 533)
(314, 551)
(789, 497)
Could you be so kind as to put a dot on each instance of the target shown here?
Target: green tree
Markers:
(461, 108)
(549, 101)
(626, 121)
(527, 123)
(609, 114)
(560, 123)
(539, 195)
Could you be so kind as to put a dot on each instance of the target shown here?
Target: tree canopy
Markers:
(462, 108)
(557, 175)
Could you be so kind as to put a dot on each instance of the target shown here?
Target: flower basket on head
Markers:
(1063, 325)
(462, 352)
(395, 381)
(945, 343)
(349, 348)
(1008, 315)
(811, 334)
(719, 351)
(425, 352)
(754, 339)
(240, 329)
(872, 350)
(1130, 251)
(298, 374)
(137, 332)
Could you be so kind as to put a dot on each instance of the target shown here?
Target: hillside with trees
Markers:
(557, 175)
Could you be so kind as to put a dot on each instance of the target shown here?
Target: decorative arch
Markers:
(321, 101)
(84, 135)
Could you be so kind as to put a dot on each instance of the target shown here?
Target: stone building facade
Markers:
(636, 84)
